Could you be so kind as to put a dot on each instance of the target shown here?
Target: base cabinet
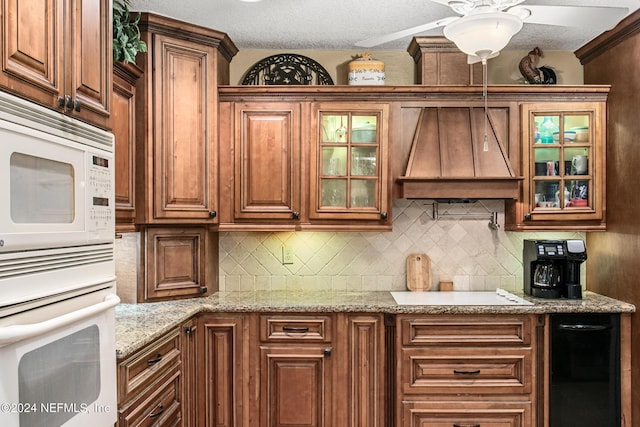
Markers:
(290, 369)
(295, 386)
(466, 370)
(151, 384)
(249, 369)
(466, 414)
(223, 370)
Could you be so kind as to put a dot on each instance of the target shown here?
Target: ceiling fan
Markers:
(485, 27)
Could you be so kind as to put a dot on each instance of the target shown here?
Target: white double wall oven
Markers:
(57, 269)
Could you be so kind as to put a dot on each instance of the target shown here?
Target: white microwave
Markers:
(57, 215)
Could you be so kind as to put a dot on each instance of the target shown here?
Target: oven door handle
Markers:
(14, 333)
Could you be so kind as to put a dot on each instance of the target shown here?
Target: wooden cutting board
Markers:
(418, 272)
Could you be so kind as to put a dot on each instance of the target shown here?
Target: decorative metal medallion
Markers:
(287, 69)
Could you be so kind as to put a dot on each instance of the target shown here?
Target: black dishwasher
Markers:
(585, 370)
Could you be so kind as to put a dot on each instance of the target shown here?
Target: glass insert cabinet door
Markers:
(562, 161)
(349, 161)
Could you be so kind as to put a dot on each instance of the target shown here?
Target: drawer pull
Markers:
(295, 330)
(155, 360)
(158, 412)
(458, 372)
(466, 425)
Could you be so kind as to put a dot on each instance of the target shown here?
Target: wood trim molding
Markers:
(627, 28)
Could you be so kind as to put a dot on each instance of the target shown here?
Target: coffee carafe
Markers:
(552, 268)
(547, 275)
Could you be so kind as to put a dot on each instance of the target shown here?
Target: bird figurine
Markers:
(534, 75)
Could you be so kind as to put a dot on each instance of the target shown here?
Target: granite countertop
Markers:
(139, 324)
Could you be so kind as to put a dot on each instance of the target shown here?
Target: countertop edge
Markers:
(139, 324)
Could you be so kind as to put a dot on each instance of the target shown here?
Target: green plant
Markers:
(126, 34)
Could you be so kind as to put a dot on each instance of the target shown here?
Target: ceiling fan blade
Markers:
(463, 7)
(571, 16)
(374, 41)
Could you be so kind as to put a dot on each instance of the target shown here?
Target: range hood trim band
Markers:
(451, 188)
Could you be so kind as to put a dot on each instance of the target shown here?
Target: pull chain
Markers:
(485, 146)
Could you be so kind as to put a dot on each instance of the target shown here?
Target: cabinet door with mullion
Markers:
(564, 158)
(349, 172)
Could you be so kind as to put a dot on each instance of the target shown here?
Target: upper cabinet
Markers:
(564, 165)
(58, 53)
(290, 162)
(348, 162)
(123, 113)
(177, 111)
(266, 139)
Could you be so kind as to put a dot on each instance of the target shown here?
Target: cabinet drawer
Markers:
(472, 330)
(160, 406)
(141, 369)
(295, 328)
(466, 414)
(466, 371)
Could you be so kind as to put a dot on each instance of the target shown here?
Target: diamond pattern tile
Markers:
(464, 250)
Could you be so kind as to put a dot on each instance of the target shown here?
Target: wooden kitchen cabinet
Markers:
(467, 370)
(224, 369)
(295, 370)
(150, 384)
(282, 369)
(178, 262)
(564, 185)
(348, 164)
(361, 396)
(123, 113)
(58, 53)
(266, 168)
(177, 116)
(190, 351)
(282, 168)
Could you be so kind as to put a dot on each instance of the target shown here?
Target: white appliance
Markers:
(57, 269)
(57, 214)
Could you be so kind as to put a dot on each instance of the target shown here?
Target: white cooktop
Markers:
(499, 297)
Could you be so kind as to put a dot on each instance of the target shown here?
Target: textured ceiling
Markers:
(339, 24)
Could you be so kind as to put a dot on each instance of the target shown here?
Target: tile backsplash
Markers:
(461, 244)
(462, 248)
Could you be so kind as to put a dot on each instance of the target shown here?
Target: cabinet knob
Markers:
(213, 214)
(188, 330)
(203, 289)
(295, 215)
(327, 352)
(60, 102)
(527, 217)
(68, 102)
(384, 216)
(76, 105)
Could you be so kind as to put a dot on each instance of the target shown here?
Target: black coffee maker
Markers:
(552, 268)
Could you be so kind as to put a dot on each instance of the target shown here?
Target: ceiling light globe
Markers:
(483, 34)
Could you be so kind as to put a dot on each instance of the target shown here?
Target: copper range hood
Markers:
(448, 159)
